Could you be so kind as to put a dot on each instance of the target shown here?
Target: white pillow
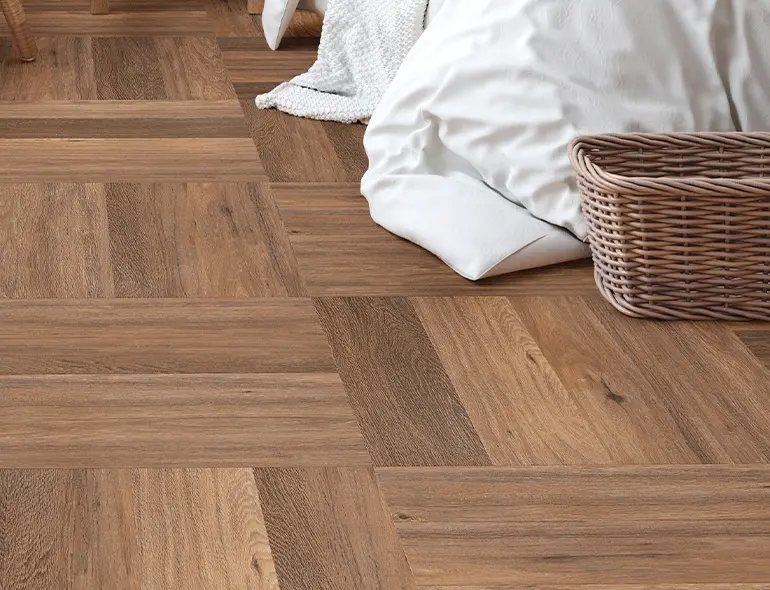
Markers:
(277, 14)
(472, 133)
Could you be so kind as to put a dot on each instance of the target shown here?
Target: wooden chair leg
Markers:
(100, 6)
(17, 23)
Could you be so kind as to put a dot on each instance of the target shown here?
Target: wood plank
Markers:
(293, 149)
(199, 240)
(63, 70)
(522, 412)
(341, 251)
(122, 119)
(661, 392)
(573, 526)
(193, 69)
(251, 61)
(133, 529)
(407, 408)
(177, 420)
(758, 342)
(53, 242)
(232, 19)
(130, 23)
(329, 529)
(129, 160)
(605, 587)
(128, 68)
(161, 336)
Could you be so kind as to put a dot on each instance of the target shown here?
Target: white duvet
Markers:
(468, 147)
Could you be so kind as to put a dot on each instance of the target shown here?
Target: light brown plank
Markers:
(177, 420)
(132, 530)
(129, 160)
(199, 240)
(329, 529)
(232, 19)
(341, 251)
(128, 69)
(53, 242)
(522, 412)
(161, 336)
(407, 408)
(606, 587)
(573, 526)
(758, 342)
(193, 69)
(666, 392)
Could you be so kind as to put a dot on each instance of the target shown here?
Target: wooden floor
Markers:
(217, 373)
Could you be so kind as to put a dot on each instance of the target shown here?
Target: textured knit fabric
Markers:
(362, 46)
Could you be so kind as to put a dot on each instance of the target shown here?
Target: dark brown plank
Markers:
(161, 336)
(329, 529)
(63, 70)
(522, 412)
(177, 421)
(528, 527)
(133, 529)
(126, 23)
(209, 240)
(341, 251)
(661, 392)
(122, 119)
(407, 408)
(53, 241)
(128, 69)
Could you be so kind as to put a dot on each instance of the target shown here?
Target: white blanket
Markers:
(362, 45)
(468, 148)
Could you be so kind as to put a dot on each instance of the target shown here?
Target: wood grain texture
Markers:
(53, 242)
(199, 240)
(329, 529)
(122, 119)
(341, 251)
(661, 392)
(161, 336)
(573, 526)
(522, 412)
(132, 529)
(177, 420)
(126, 23)
(758, 342)
(232, 19)
(407, 408)
(128, 160)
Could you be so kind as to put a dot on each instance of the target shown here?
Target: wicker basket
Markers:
(679, 224)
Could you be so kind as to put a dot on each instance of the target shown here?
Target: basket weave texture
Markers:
(679, 224)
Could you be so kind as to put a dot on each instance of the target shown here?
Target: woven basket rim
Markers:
(674, 185)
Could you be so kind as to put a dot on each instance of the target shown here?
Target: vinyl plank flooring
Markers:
(663, 392)
(53, 242)
(132, 529)
(128, 69)
(329, 529)
(77, 421)
(161, 336)
(408, 409)
(231, 19)
(63, 70)
(341, 251)
(193, 69)
(128, 23)
(129, 160)
(522, 412)
(526, 527)
(102, 119)
(758, 342)
(199, 240)
(293, 149)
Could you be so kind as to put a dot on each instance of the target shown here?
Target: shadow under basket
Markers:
(679, 224)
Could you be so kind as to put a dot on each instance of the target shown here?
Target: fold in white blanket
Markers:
(468, 147)
(362, 46)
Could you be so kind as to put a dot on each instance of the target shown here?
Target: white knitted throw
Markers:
(362, 46)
